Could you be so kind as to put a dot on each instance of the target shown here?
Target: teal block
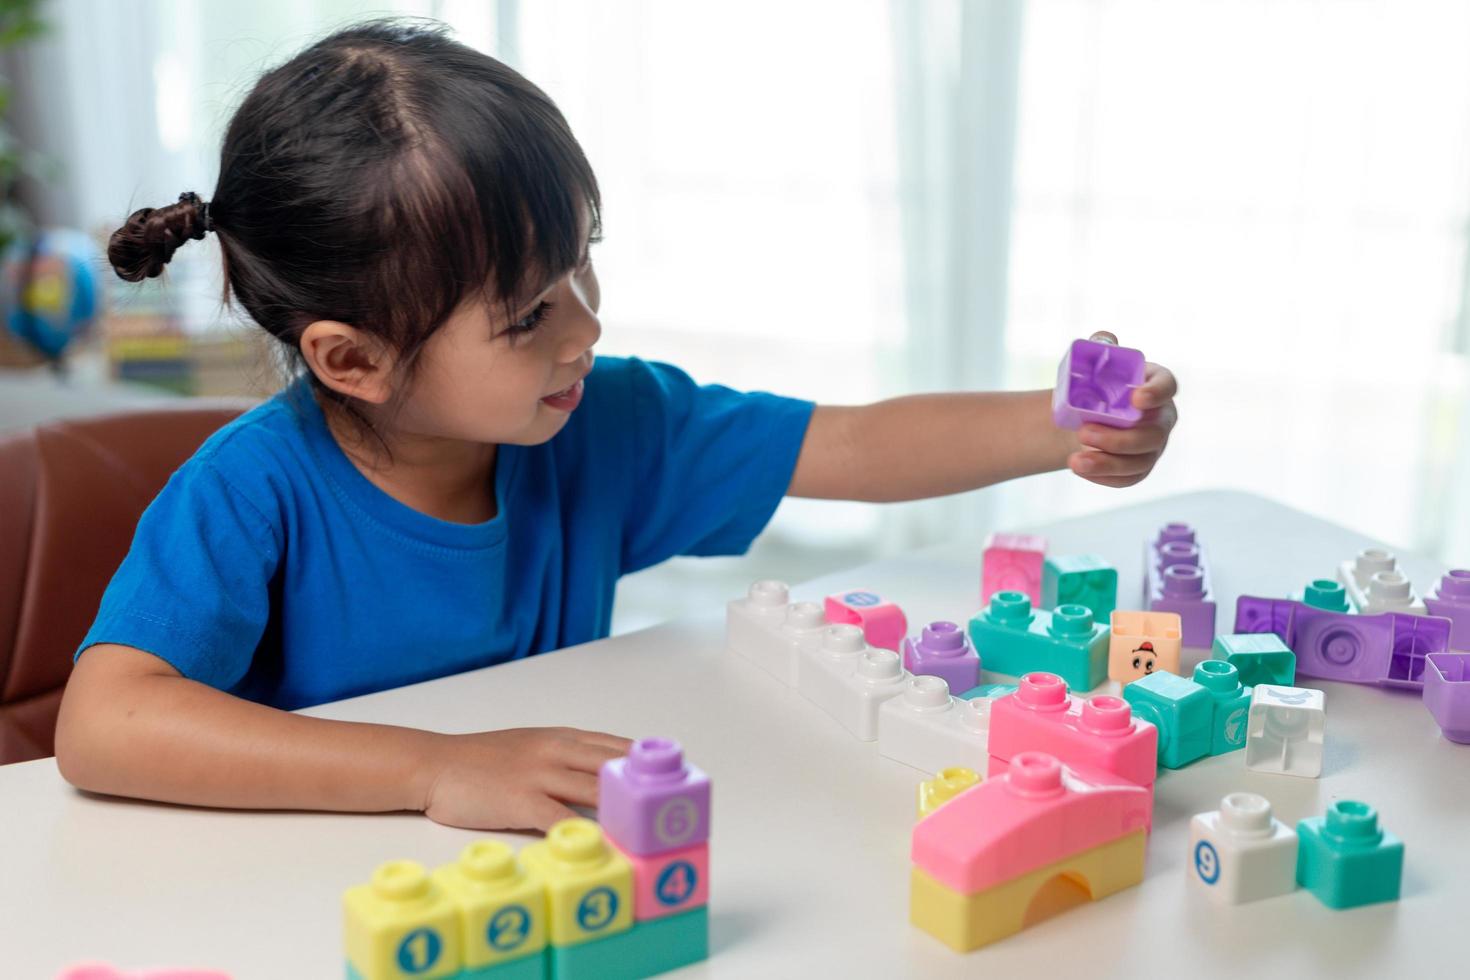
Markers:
(652, 946)
(988, 691)
(1261, 658)
(1012, 638)
(1232, 704)
(1346, 859)
(533, 967)
(1182, 711)
(1083, 580)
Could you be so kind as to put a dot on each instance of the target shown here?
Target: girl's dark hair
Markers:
(379, 178)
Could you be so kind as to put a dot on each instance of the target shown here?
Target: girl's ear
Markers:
(348, 361)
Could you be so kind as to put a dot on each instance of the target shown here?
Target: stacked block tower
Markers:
(624, 900)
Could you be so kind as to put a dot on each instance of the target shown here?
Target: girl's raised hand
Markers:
(1122, 457)
(517, 779)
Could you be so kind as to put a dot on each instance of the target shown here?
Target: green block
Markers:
(533, 967)
(988, 691)
(1261, 658)
(1346, 859)
(651, 946)
(1232, 705)
(1182, 711)
(1012, 638)
(1325, 593)
(1082, 580)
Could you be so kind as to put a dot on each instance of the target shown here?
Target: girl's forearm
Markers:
(163, 737)
(921, 446)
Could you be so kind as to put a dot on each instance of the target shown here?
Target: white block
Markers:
(823, 670)
(1374, 584)
(1285, 730)
(928, 729)
(878, 677)
(769, 632)
(1240, 852)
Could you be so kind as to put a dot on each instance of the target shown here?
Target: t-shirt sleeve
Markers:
(194, 588)
(710, 464)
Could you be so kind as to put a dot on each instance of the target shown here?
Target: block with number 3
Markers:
(589, 884)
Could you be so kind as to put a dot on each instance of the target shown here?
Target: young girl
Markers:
(450, 482)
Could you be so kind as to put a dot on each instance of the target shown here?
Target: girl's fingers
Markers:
(1159, 387)
(616, 743)
(544, 811)
(1123, 442)
(1092, 465)
(579, 788)
(584, 756)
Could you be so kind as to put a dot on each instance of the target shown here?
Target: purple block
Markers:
(1095, 384)
(1175, 580)
(1447, 693)
(1387, 649)
(943, 650)
(1452, 601)
(653, 801)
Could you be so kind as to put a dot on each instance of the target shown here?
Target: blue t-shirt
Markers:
(271, 568)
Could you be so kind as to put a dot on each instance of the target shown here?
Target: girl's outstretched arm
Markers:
(921, 446)
(130, 725)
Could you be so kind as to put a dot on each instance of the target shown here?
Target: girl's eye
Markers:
(531, 320)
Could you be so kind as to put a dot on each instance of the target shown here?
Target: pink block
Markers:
(100, 971)
(1037, 812)
(883, 623)
(1096, 734)
(1012, 563)
(664, 884)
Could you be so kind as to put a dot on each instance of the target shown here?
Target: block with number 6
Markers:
(653, 801)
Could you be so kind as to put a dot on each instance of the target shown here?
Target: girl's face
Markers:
(487, 379)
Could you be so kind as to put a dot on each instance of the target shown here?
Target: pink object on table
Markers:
(1012, 563)
(1095, 383)
(664, 884)
(652, 801)
(883, 623)
(101, 971)
(1098, 735)
(1037, 812)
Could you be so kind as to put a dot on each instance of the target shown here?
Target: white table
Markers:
(811, 827)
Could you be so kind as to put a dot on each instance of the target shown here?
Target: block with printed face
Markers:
(1143, 642)
(1285, 732)
(1240, 853)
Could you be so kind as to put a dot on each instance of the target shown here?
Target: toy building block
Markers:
(1346, 859)
(101, 971)
(1015, 639)
(879, 676)
(1081, 580)
(1370, 594)
(1184, 590)
(649, 948)
(927, 729)
(589, 884)
(945, 786)
(1447, 694)
(1386, 648)
(1181, 710)
(1285, 732)
(1452, 601)
(943, 649)
(668, 883)
(401, 924)
(1232, 704)
(652, 801)
(1012, 563)
(823, 671)
(1143, 642)
(1240, 852)
(770, 632)
(1095, 737)
(502, 911)
(883, 623)
(1261, 658)
(980, 859)
(1326, 594)
(1095, 383)
(990, 691)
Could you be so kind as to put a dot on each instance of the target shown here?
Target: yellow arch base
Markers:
(966, 922)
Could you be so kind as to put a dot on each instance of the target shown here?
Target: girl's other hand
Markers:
(1122, 457)
(517, 779)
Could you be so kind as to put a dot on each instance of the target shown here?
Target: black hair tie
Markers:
(189, 197)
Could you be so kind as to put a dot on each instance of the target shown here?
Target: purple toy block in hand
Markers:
(653, 801)
(1095, 384)
(943, 650)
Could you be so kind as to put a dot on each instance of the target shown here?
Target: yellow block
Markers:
(945, 786)
(169, 347)
(589, 885)
(401, 925)
(502, 906)
(966, 922)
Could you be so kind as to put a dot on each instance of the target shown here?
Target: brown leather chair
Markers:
(71, 493)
